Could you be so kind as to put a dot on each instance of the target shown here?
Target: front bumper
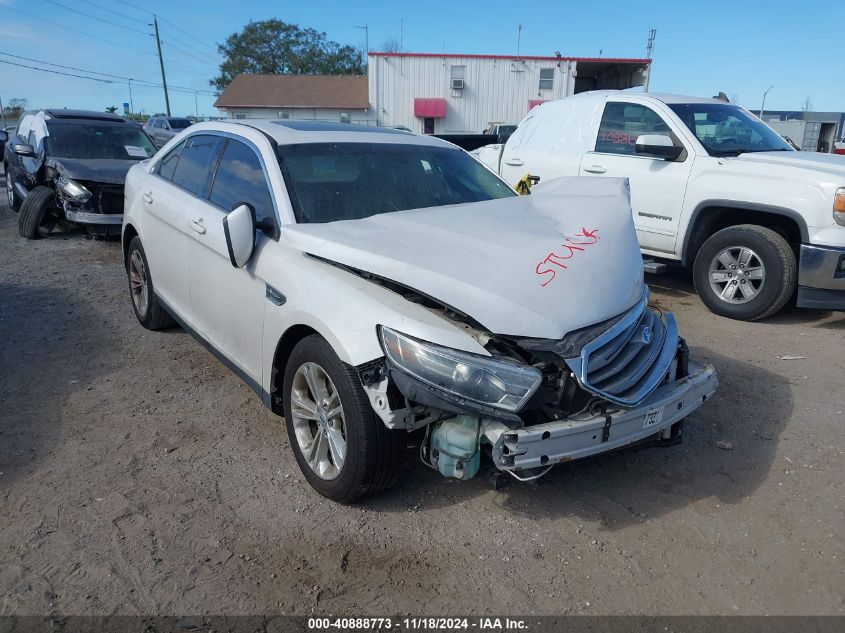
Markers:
(821, 277)
(567, 440)
(83, 217)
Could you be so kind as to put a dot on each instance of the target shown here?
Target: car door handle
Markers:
(595, 169)
(515, 162)
(148, 197)
(198, 226)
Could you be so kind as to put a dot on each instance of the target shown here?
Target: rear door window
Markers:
(193, 170)
(622, 123)
(240, 179)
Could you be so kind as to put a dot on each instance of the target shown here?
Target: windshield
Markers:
(351, 181)
(98, 140)
(728, 130)
(179, 124)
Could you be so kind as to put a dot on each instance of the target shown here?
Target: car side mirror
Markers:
(658, 146)
(239, 229)
(22, 149)
(4, 136)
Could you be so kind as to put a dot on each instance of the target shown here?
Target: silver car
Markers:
(164, 128)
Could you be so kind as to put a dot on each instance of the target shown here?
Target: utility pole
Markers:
(366, 28)
(649, 47)
(196, 107)
(3, 114)
(763, 105)
(161, 63)
(131, 104)
(518, 39)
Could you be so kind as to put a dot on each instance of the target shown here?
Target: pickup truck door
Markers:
(177, 184)
(228, 302)
(658, 186)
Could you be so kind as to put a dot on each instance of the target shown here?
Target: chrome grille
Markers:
(628, 361)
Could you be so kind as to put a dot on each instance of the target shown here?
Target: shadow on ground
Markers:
(46, 336)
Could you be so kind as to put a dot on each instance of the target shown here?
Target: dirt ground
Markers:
(139, 476)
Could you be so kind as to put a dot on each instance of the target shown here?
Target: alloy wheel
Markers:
(318, 420)
(737, 274)
(138, 283)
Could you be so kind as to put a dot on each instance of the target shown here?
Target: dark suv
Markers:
(69, 166)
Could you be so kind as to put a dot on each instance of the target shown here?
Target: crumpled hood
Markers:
(827, 164)
(531, 266)
(103, 170)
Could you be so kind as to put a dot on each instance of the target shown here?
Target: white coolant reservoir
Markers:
(455, 447)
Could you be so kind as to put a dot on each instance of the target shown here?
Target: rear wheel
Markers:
(745, 272)
(39, 214)
(151, 314)
(343, 449)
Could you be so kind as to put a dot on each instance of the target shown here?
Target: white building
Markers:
(444, 93)
(428, 92)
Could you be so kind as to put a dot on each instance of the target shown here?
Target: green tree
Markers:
(111, 109)
(276, 47)
(14, 108)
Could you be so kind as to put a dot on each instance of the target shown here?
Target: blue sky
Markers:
(739, 47)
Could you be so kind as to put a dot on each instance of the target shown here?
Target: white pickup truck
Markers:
(712, 187)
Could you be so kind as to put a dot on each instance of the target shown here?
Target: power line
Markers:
(184, 32)
(123, 15)
(57, 72)
(94, 17)
(184, 52)
(136, 7)
(191, 46)
(67, 28)
(140, 82)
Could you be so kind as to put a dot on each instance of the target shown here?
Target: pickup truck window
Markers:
(622, 123)
(349, 181)
(728, 130)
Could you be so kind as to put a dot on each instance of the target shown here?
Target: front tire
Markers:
(39, 214)
(745, 272)
(11, 196)
(344, 450)
(151, 314)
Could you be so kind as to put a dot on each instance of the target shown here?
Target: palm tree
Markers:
(111, 109)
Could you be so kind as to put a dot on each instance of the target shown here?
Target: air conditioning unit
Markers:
(457, 84)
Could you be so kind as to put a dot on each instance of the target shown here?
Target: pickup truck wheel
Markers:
(343, 449)
(11, 196)
(39, 214)
(745, 272)
(151, 314)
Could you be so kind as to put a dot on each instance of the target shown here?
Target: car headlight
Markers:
(74, 190)
(839, 206)
(490, 381)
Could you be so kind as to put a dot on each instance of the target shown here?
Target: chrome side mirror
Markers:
(22, 149)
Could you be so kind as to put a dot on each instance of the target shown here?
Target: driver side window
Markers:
(622, 123)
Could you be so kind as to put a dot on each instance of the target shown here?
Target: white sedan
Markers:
(370, 282)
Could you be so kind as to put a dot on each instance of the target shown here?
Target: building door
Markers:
(428, 125)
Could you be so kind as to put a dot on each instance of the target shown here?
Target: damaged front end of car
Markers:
(97, 205)
(535, 403)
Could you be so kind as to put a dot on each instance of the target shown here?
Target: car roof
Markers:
(665, 97)
(292, 131)
(83, 114)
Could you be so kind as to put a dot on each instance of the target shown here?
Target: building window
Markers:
(547, 78)
(458, 77)
(240, 116)
(345, 117)
(283, 114)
